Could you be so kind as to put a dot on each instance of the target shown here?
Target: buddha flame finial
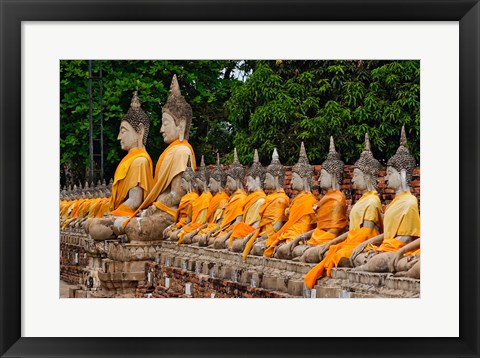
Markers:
(303, 152)
(332, 145)
(235, 156)
(255, 157)
(403, 137)
(174, 87)
(366, 146)
(202, 162)
(218, 159)
(275, 156)
(135, 102)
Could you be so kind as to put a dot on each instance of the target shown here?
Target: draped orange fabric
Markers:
(123, 210)
(331, 214)
(183, 208)
(199, 207)
(250, 216)
(233, 210)
(368, 207)
(216, 211)
(336, 252)
(171, 162)
(271, 211)
(130, 173)
(301, 207)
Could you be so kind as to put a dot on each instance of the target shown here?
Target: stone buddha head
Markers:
(400, 167)
(366, 169)
(217, 178)
(201, 176)
(188, 178)
(134, 126)
(275, 174)
(302, 172)
(176, 115)
(235, 174)
(331, 174)
(256, 174)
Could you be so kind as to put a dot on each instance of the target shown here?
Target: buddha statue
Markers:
(159, 208)
(234, 209)
(365, 220)
(406, 261)
(300, 213)
(251, 211)
(272, 211)
(132, 179)
(199, 205)
(401, 220)
(184, 212)
(330, 211)
(216, 208)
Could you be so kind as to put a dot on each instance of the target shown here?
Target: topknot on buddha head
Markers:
(333, 165)
(303, 167)
(402, 159)
(257, 170)
(137, 117)
(367, 164)
(188, 174)
(236, 171)
(178, 107)
(202, 173)
(276, 169)
(218, 173)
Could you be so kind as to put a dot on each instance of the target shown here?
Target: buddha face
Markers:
(297, 182)
(325, 180)
(393, 179)
(269, 182)
(169, 130)
(200, 184)
(213, 185)
(231, 184)
(185, 184)
(251, 183)
(358, 180)
(128, 137)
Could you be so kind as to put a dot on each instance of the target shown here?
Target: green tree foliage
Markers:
(206, 85)
(285, 102)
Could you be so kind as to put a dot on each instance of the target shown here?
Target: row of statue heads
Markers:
(99, 190)
(275, 171)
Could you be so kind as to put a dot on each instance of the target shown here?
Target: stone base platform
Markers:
(164, 269)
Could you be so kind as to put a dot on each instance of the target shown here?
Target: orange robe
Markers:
(130, 173)
(216, 211)
(271, 212)
(368, 207)
(199, 214)
(402, 218)
(233, 210)
(184, 208)
(301, 219)
(172, 161)
(250, 216)
(331, 214)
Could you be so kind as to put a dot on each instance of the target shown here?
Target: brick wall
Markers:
(201, 285)
(72, 257)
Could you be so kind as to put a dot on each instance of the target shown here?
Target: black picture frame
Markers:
(467, 12)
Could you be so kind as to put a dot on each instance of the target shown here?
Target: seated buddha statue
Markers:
(251, 210)
(199, 205)
(184, 212)
(300, 214)
(216, 208)
(366, 220)
(132, 180)
(234, 209)
(330, 211)
(272, 211)
(159, 209)
(401, 221)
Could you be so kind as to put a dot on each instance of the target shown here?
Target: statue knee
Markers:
(219, 243)
(258, 249)
(237, 245)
